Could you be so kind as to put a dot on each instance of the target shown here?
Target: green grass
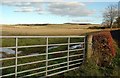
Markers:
(27, 51)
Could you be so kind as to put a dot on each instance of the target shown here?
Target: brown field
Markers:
(47, 30)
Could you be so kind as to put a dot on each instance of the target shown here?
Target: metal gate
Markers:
(56, 54)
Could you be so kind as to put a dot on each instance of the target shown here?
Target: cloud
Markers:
(82, 20)
(29, 9)
(18, 4)
(58, 0)
(6, 1)
(26, 6)
(22, 4)
(70, 9)
(58, 8)
(24, 9)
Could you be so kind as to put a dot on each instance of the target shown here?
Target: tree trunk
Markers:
(111, 24)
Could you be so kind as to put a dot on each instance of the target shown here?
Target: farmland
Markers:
(47, 30)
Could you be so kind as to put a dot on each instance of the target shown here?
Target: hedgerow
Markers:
(103, 49)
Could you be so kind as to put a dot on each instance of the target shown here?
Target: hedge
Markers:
(103, 49)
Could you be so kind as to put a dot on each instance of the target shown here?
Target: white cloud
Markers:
(16, 4)
(6, 1)
(82, 20)
(38, 9)
(26, 6)
(70, 9)
(61, 8)
(59, 0)
(22, 4)
(24, 9)
(29, 9)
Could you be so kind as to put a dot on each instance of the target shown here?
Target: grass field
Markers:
(37, 50)
(47, 30)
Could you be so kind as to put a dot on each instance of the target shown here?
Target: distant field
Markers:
(48, 30)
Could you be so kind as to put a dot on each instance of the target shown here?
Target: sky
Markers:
(53, 11)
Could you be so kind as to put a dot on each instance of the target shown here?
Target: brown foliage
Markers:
(103, 48)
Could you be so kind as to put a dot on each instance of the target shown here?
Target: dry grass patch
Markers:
(45, 30)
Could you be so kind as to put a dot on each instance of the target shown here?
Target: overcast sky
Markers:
(53, 11)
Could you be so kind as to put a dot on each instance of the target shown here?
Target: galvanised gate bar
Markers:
(69, 58)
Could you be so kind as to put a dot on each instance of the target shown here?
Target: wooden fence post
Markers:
(89, 46)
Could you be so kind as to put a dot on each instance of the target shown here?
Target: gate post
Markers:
(89, 46)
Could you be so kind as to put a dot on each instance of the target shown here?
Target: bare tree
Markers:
(110, 14)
